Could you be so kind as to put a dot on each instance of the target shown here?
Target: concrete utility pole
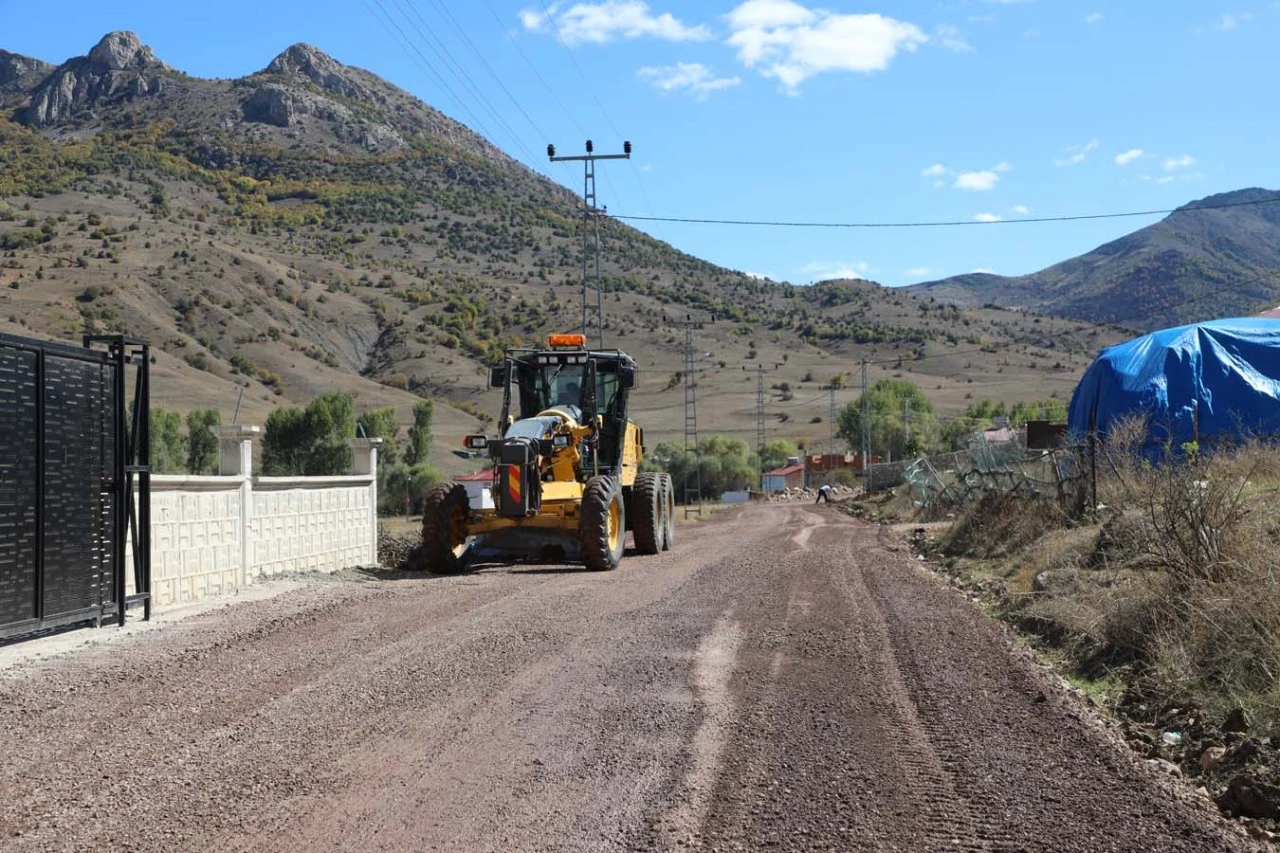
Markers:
(591, 229)
(760, 422)
(866, 426)
(906, 426)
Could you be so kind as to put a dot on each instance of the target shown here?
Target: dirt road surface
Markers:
(786, 679)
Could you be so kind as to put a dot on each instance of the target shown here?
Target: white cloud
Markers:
(1172, 164)
(600, 23)
(827, 270)
(983, 180)
(792, 43)
(921, 272)
(937, 170)
(1093, 18)
(949, 37)
(1002, 167)
(988, 217)
(1078, 155)
(1021, 209)
(1167, 179)
(1230, 22)
(1124, 158)
(693, 77)
(982, 19)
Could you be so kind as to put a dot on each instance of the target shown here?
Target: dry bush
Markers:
(1204, 616)
(1000, 524)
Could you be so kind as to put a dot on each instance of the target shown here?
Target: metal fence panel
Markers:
(19, 538)
(67, 473)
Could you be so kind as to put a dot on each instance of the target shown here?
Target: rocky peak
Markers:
(121, 51)
(119, 68)
(314, 65)
(18, 76)
(16, 69)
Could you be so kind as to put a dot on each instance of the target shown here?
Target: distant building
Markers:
(479, 488)
(790, 477)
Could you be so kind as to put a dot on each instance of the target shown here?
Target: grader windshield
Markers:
(543, 386)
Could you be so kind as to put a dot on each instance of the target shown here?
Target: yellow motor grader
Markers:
(566, 469)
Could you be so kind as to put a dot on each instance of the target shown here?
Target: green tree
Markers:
(167, 451)
(381, 423)
(202, 441)
(885, 403)
(311, 441)
(723, 464)
(420, 433)
(776, 452)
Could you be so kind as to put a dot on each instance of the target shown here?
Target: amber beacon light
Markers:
(578, 341)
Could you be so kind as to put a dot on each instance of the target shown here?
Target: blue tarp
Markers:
(1228, 370)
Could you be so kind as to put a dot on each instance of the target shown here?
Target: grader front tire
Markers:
(603, 526)
(445, 549)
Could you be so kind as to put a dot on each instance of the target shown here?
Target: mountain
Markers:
(1216, 257)
(311, 227)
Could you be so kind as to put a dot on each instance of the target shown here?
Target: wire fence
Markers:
(1063, 474)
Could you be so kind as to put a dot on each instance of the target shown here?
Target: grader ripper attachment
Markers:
(566, 479)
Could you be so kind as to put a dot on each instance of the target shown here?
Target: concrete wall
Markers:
(213, 535)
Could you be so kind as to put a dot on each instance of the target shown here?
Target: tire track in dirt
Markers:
(779, 682)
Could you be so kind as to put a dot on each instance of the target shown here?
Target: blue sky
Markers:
(781, 110)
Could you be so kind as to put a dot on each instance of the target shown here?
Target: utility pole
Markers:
(692, 456)
(866, 427)
(591, 229)
(831, 419)
(906, 426)
(760, 422)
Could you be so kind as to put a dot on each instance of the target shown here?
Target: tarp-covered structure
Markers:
(1207, 381)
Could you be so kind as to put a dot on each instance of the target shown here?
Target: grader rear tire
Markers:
(668, 499)
(646, 506)
(445, 549)
(603, 525)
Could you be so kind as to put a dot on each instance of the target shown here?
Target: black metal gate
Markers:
(75, 483)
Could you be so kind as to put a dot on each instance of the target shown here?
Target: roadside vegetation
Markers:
(1161, 602)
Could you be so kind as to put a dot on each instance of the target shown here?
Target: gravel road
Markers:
(786, 679)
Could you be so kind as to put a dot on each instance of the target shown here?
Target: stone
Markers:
(1236, 721)
(1211, 758)
(1165, 766)
(1248, 797)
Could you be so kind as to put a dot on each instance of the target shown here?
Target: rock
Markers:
(1211, 758)
(1236, 721)
(119, 68)
(314, 65)
(122, 50)
(1248, 797)
(1165, 766)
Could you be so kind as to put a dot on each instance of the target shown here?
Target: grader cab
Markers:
(566, 468)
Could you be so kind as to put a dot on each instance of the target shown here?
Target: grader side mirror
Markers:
(498, 376)
(627, 377)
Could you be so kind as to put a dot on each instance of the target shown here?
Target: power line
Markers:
(533, 68)
(487, 67)
(942, 223)
(459, 73)
(423, 62)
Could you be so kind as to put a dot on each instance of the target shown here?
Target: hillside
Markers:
(311, 227)
(1195, 264)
